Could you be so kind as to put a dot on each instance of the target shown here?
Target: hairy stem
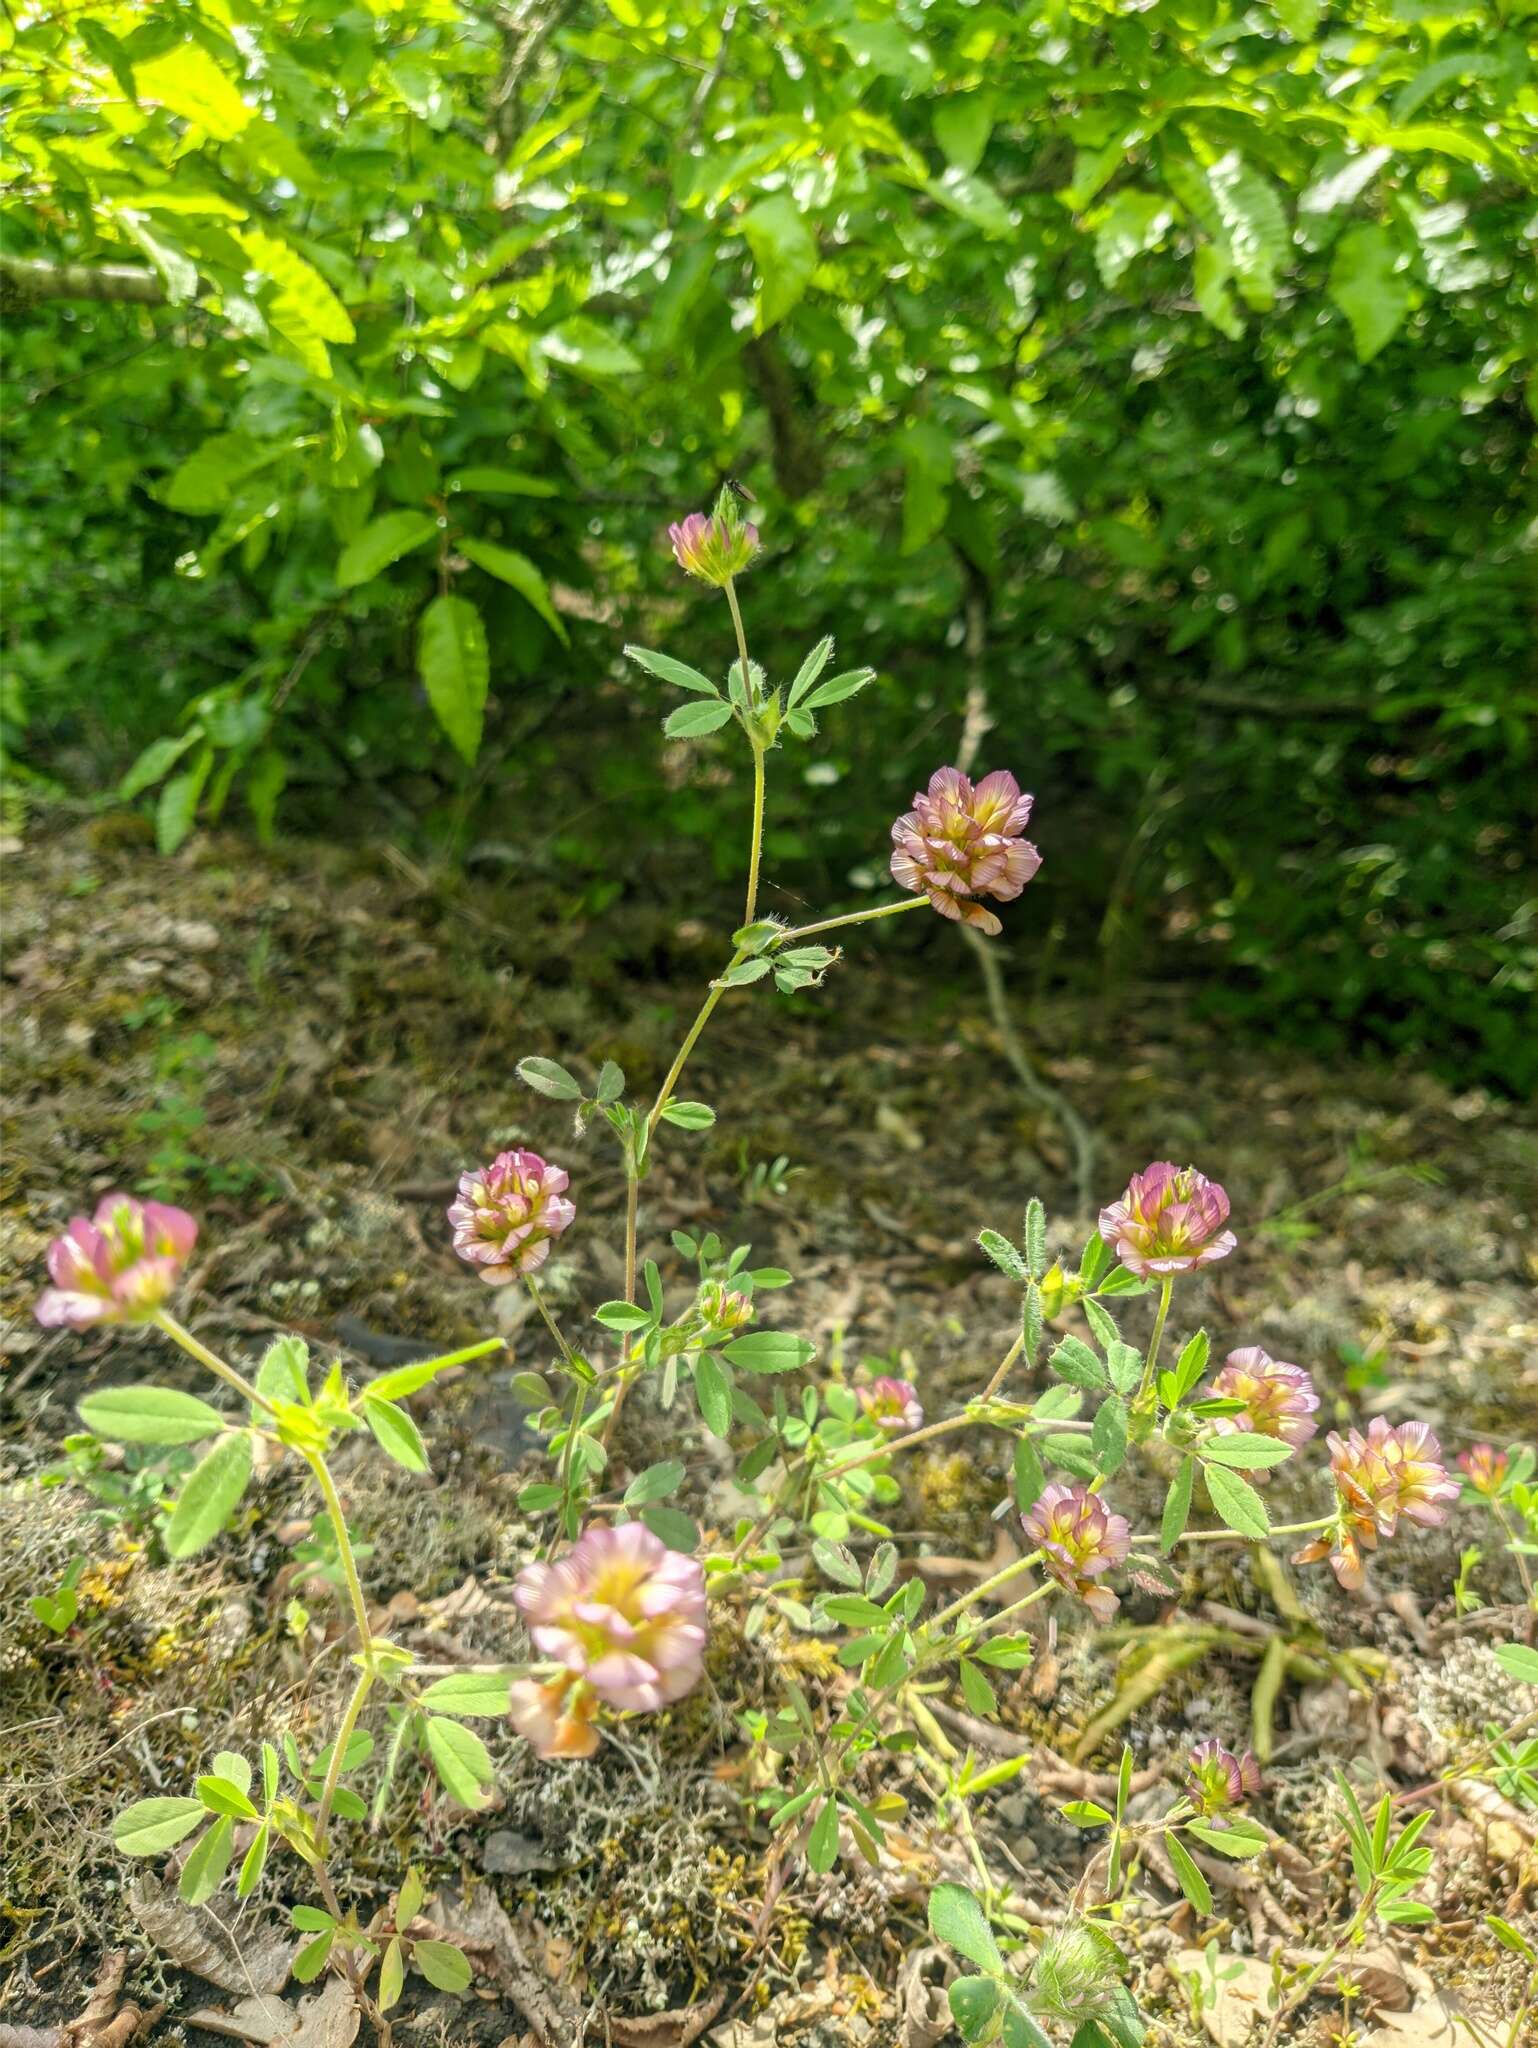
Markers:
(360, 1693)
(327, 1485)
(755, 851)
(1167, 1287)
(833, 924)
(216, 1365)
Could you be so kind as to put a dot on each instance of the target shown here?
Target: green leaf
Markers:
(957, 1918)
(672, 1527)
(1368, 286)
(822, 1842)
(770, 1351)
(1192, 1883)
(149, 1415)
(210, 1495)
(590, 348)
(395, 1432)
(973, 200)
(282, 1374)
(152, 1825)
(461, 1760)
(303, 307)
(520, 574)
(689, 1116)
(157, 760)
(392, 1976)
(1029, 1478)
(693, 721)
(1246, 1450)
(655, 1483)
(1300, 18)
(808, 673)
(976, 1690)
(678, 673)
(785, 253)
(1519, 1661)
(1133, 222)
(962, 126)
(485, 480)
(455, 669)
(480, 1695)
(219, 1795)
(177, 810)
(547, 1077)
(623, 1315)
(1254, 224)
(187, 81)
(837, 688)
(1237, 1502)
(383, 541)
(742, 973)
(1085, 1813)
(974, 2003)
(1177, 1506)
(1108, 1436)
(254, 1862)
(1075, 1362)
(445, 1967)
(203, 1872)
(715, 1396)
(312, 1958)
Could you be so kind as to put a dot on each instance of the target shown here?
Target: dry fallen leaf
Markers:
(676, 2029)
(329, 2020)
(1242, 2000)
(249, 1958)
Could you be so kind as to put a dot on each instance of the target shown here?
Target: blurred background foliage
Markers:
(1151, 383)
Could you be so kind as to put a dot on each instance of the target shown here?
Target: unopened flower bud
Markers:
(1219, 1780)
(1054, 1288)
(722, 1310)
(120, 1266)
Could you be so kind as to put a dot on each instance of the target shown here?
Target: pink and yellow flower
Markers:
(893, 1405)
(1081, 1540)
(508, 1215)
(119, 1266)
(1170, 1220)
(622, 1612)
(555, 1719)
(960, 842)
(718, 545)
(1379, 1477)
(1485, 1468)
(1218, 1780)
(1279, 1399)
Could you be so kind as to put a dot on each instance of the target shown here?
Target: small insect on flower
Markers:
(1378, 1477)
(960, 842)
(120, 1266)
(556, 1719)
(1081, 1540)
(622, 1612)
(893, 1405)
(1170, 1220)
(1485, 1468)
(1219, 1781)
(508, 1214)
(718, 545)
(1279, 1399)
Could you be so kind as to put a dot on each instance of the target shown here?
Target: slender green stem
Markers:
(1510, 1535)
(1010, 1571)
(930, 1430)
(216, 1365)
(632, 1207)
(756, 848)
(549, 1321)
(833, 924)
(327, 1485)
(360, 1693)
(742, 645)
(1167, 1288)
(1007, 1613)
(664, 1093)
(1232, 1536)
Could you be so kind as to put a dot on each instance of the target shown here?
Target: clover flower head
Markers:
(1218, 1780)
(1076, 1973)
(718, 545)
(1279, 1399)
(555, 1719)
(722, 1310)
(1388, 1473)
(118, 1266)
(623, 1613)
(1170, 1220)
(1485, 1468)
(508, 1214)
(893, 1405)
(962, 841)
(1081, 1540)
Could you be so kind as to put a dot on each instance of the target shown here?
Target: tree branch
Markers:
(38, 277)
